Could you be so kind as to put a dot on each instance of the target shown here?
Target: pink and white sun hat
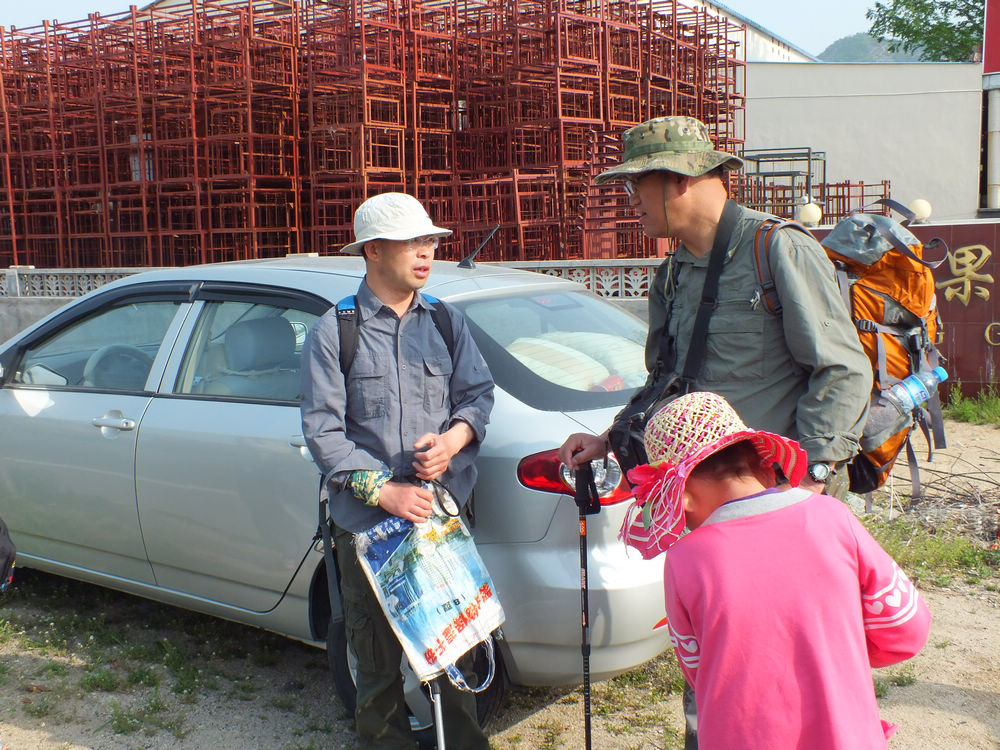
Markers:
(678, 437)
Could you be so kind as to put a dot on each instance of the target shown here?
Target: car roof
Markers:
(323, 274)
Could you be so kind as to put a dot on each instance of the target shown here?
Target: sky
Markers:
(811, 25)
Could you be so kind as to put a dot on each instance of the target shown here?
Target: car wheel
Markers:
(343, 667)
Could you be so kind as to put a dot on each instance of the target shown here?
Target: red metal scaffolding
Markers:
(230, 129)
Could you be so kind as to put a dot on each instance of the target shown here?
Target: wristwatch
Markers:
(819, 472)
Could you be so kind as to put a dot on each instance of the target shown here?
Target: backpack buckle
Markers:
(868, 326)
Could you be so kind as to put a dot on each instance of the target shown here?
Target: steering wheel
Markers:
(118, 367)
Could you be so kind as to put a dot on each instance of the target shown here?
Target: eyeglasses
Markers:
(431, 240)
(632, 183)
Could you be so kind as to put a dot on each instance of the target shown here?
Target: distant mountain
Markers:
(863, 48)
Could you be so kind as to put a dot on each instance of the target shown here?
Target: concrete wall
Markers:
(17, 313)
(916, 124)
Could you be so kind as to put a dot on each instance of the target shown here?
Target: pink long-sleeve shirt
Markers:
(778, 605)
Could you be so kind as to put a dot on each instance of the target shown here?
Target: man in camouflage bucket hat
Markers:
(799, 373)
(677, 144)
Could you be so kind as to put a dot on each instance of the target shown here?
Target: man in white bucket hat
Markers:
(392, 216)
(412, 403)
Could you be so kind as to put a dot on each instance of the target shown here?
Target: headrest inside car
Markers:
(259, 344)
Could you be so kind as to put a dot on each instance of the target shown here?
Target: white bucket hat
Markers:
(391, 216)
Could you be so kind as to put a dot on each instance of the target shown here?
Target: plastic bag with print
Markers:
(434, 588)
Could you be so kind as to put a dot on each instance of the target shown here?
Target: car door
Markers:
(70, 408)
(227, 490)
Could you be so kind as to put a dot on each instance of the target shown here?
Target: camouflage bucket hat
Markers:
(678, 144)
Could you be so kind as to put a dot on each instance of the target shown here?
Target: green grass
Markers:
(77, 640)
(900, 677)
(936, 556)
(41, 706)
(149, 717)
(99, 679)
(983, 408)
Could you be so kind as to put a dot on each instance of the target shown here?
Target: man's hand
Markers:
(810, 484)
(405, 500)
(581, 447)
(434, 452)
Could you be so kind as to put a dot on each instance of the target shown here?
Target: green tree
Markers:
(937, 30)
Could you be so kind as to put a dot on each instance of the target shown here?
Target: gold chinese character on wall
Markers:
(965, 263)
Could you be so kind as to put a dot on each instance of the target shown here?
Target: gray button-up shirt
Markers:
(403, 383)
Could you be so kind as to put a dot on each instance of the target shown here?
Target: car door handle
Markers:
(115, 423)
(299, 442)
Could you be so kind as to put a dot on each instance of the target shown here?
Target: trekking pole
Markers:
(438, 713)
(588, 503)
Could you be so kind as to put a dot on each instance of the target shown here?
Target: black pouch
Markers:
(7, 555)
(626, 432)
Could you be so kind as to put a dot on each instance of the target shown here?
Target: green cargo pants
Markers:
(381, 715)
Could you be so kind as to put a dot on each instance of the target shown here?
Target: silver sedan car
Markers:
(150, 442)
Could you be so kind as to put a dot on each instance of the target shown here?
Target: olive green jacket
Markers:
(801, 373)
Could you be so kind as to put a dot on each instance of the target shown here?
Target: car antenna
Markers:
(467, 261)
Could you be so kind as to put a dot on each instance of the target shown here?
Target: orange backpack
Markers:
(888, 289)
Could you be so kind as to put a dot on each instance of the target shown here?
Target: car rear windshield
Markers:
(559, 350)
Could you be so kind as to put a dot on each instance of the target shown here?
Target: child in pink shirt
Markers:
(779, 601)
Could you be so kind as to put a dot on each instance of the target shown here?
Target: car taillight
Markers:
(545, 472)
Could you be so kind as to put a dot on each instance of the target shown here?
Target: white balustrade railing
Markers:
(20, 281)
(623, 279)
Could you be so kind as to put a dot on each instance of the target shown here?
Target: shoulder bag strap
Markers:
(709, 294)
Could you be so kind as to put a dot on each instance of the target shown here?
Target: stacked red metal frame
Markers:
(152, 138)
(231, 129)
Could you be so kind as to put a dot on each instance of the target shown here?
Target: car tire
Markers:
(342, 668)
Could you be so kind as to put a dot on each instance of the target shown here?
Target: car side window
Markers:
(112, 349)
(243, 349)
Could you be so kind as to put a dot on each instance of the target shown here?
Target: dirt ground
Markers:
(947, 698)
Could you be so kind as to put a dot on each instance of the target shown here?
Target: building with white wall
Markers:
(762, 45)
(915, 124)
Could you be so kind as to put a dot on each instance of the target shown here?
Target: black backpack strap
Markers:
(442, 321)
(768, 292)
(709, 294)
(8, 553)
(326, 533)
(347, 321)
